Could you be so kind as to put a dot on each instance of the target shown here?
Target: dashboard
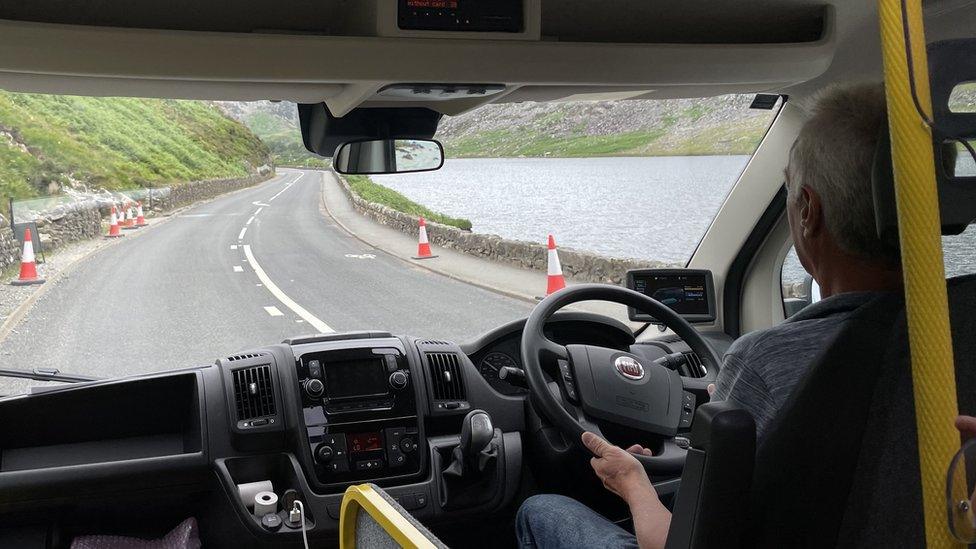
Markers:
(305, 419)
(502, 347)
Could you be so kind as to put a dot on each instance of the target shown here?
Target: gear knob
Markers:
(476, 433)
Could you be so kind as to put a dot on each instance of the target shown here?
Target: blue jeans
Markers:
(550, 520)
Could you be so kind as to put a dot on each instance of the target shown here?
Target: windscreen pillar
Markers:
(916, 197)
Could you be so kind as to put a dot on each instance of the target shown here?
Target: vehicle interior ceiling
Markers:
(171, 444)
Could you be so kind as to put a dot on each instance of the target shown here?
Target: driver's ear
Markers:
(810, 210)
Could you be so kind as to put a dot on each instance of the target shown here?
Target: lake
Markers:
(653, 208)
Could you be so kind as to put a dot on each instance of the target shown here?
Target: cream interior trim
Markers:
(746, 202)
(290, 66)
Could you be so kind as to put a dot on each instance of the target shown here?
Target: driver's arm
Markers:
(623, 475)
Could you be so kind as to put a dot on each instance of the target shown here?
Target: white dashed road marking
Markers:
(233, 246)
(273, 311)
(241, 236)
(238, 269)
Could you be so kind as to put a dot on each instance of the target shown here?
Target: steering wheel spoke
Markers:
(554, 349)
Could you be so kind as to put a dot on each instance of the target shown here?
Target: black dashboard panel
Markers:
(190, 437)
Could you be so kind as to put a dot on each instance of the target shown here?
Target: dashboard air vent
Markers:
(445, 376)
(243, 357)
(435, 342)
(253, 392)
(695, 363)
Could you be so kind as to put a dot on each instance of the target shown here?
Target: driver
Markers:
(831, 216)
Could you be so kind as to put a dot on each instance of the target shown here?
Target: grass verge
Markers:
(366, 189)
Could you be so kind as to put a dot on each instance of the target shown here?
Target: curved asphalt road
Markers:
(182, 295)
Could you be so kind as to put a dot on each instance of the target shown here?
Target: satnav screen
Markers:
(684, 293)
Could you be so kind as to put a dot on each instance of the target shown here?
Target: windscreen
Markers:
(166, 234)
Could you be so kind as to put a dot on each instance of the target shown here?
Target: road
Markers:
(246, 269)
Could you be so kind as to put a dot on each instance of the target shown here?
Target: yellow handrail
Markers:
(362, 497)
(919, 229)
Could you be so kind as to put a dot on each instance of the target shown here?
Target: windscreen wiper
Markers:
(46, 374)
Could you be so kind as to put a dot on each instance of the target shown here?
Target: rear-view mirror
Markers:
(384, 156)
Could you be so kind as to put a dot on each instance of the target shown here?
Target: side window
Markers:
(799, 288)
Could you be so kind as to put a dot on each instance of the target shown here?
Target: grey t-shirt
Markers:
(761, 368)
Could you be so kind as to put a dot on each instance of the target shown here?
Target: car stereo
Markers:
(360, 412)
(688, 292)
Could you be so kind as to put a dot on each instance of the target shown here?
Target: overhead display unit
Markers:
(461, 15)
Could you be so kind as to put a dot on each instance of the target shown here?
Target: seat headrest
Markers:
(951, 62)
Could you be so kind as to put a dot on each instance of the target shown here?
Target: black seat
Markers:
(840, 466)
(716, 479)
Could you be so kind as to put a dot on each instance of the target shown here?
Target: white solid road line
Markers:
(241, 236)
(273, 311)
(238, 269)
(322, 327)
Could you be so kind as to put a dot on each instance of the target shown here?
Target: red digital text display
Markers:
(433, 4)
(364, 442)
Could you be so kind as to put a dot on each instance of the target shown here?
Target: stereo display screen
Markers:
(355, 378)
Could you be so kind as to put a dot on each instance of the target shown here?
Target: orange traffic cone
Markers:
(555, 270)
(140, 220)
(28, 268)
(130, 220)
(113, 228)
(423, 245)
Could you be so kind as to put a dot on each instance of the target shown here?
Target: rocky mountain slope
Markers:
(712, 125)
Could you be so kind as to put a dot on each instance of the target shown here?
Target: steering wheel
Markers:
(612, 385)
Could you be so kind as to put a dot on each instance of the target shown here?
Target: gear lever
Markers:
(476, 433)
(469, 472)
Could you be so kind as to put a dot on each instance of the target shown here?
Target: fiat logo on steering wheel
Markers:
(629, 367)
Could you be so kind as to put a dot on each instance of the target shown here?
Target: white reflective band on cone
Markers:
(554, 267)
(423, 235)
(28, 256)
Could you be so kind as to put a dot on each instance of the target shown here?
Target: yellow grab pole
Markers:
(933, 376)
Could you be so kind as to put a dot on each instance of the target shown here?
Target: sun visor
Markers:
(952, 79)
(322, 133)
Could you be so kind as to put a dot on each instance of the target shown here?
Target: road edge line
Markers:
(426, 266)
(281, 296)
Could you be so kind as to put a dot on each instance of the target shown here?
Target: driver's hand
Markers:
(619, 470)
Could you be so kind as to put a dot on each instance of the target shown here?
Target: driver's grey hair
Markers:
(834, 156)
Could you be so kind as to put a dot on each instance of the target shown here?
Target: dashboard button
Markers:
(421, 500)
(314, 388)
(398, 380)
(324, 453)
(407, 445)
(315, 369)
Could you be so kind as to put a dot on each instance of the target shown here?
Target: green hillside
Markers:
(284, 140)
(50, 141)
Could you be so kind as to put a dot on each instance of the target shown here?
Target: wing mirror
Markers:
(385, 156)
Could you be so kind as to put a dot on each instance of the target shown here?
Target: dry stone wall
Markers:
(582, 266)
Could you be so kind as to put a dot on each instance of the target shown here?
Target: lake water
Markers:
(653, 208)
